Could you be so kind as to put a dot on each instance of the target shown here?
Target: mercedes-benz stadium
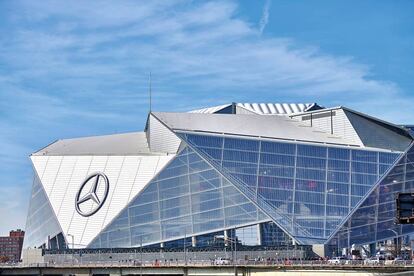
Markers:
(264, 174)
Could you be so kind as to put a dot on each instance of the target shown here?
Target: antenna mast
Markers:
(150, 93)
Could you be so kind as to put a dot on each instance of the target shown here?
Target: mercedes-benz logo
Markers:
(94, 195)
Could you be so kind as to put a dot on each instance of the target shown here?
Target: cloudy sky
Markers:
(79, 68)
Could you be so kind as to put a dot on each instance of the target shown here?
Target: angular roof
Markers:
(361, 128)
(263, 108)
(134, 143)
(349, 128)
(277, 127)
(278, 108)
(210, 110)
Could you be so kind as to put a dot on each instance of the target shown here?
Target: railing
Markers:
(294, 264)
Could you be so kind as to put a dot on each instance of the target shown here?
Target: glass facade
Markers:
(264, 192)
(306, 189)
(272, 235)
(41, 222)
(188, 197)
(248, 235)
(374, 219)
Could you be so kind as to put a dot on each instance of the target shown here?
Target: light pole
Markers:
(73, 240)
(73, 247)
(140, 253)
(233, 246)
(185, 252)
(396, 241)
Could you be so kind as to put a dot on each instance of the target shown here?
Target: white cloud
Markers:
(199, 45)
(265, 16)
(71, 68)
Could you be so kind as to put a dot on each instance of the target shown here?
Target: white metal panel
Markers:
(78, 222)
(242, 110)
(124, 184)
(345, 127)
(163, 162)
(134, 143)
(39, 164)
(276, 108)
(279, 109)
(161, 138)
(127, 176)
(71, 186)
(287, 108)
(210, 110)
(95, 222)
(57, 194)
(279, 127)
(340, 124)
(261, 108)
(49, 175)
(265, 108)
(385, 138)
(147, 169)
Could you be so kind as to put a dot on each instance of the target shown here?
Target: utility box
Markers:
(405, 208)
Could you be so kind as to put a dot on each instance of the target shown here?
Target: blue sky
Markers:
(79, 68)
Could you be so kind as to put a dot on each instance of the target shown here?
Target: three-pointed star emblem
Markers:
(92, 194)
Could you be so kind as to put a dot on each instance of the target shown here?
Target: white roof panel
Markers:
(115, 144)
(210, 110)
(279, 127)
(263, 108)
(277, 108)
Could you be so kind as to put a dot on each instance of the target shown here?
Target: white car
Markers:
(337, 260)
(221, 261)
(398, 260)
(373, 261)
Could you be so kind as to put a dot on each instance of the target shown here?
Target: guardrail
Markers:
(222, 263)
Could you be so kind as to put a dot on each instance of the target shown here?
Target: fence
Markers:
(279, 263)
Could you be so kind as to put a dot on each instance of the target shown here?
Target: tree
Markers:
(4, 259)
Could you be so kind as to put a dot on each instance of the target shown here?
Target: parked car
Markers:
(373, 261)
(399, 260)
(221, 261)
(337, 260)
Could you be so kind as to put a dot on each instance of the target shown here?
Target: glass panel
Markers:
(312, 163)
(361, 167)
(337, 153)
(241, 144)
(310, 185)
(41, 220)
(366, 179)
(294, 181)
(338, 188)
(282, 171)
(312, 151)
(364, 156)
(342, 177)
(387, 157)
(338, 165)
(234, 155)
(310, 174)
(186, 198)
(273, 159)
(278, 148)
(374, 219)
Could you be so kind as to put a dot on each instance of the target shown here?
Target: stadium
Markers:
(257, 174)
